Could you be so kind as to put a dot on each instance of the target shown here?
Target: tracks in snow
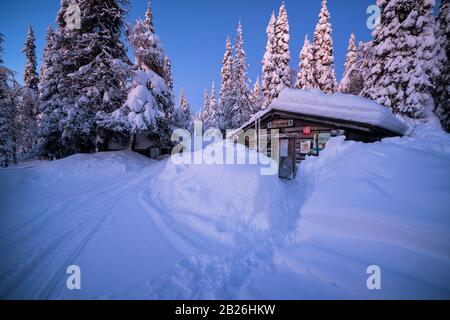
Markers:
(56, 238)
(207, 272)
(59, 233)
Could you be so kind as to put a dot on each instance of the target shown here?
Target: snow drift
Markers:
(214, 198)
(384, 204)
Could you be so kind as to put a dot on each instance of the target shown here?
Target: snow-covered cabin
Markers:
(149, 145)
(306, 120)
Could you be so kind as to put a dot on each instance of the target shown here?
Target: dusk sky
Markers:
(194, 32)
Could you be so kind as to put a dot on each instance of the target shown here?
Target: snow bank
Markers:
(37, 184)
(217, 199)
(384, 204)
(337, 106)
(66, 173)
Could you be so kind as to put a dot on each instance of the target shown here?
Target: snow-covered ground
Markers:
(141, 229)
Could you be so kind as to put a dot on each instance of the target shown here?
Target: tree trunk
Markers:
(132, 145)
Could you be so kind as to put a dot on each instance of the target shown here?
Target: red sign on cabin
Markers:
(307, 131)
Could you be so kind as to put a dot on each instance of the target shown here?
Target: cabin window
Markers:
(321, 140)
(312, 146)
(305, 147)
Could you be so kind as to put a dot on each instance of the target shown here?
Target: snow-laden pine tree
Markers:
(30, 76)
(235, 106)
(56, 89)
(27, 109)
(360, 70)
(282, 55)
(6, 115)
(149, 18)
(143, 111)
(325, 73)
(404, 42)
(305, 77)
(204, 114)
(183, 116)
(94, 63)
(350, 62)
(168, 73)
(149, 108)
(50, 111)
(256, 96)
(148, 48)
(242, 107)
(268, 64)
(212, 119)
(47, 56)
(226, 89)
(441, 81)
(26, 123)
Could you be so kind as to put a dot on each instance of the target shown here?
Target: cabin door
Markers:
(287, 168)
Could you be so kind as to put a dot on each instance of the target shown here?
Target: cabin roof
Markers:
(338, 106)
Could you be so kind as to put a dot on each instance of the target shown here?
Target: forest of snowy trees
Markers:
(405, 66)
(88, 91)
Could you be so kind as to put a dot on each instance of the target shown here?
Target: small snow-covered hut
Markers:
(306, 120)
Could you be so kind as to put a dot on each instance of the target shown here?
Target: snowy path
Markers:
(123, 238)
(210, 269)
(82, 227)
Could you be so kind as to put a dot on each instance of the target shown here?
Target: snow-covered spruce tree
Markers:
(282, 55)
(211, 119)
(143, 111)
(325, 73)
(305, 77)
(360, 70)
(183, 116)
(26, 123)
(256, 96)
(204, 114)
(27, 109)
(56, 89)
(185, 109)
(268, 64)
(400, 73)
(6, 116)
(149, 108)
(235, 103)
(226, 89)
(149, 18)
(30, 76)
(148, 49)
(441, 80)
(94, 71)
(210, 113)
(350, 62)
(168, 73)
(50, 111)
(242, 107)
(6, 125)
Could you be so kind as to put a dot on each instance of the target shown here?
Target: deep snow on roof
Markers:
(336, 106)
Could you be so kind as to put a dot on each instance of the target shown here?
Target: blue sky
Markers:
(194, 32)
